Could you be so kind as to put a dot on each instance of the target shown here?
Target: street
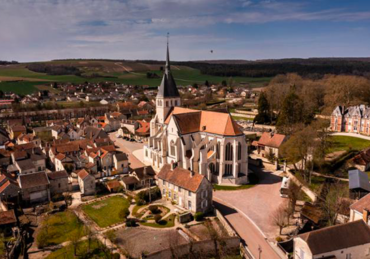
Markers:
(129, 148)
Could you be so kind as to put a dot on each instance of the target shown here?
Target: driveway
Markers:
(257, 203)
(129, 148)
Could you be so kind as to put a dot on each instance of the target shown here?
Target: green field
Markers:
(183, 76)
(106, 212)
(82, 248)
(22, 87)
(58, 228)
(344, 143)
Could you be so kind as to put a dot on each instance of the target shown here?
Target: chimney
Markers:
(191, 173)
(365, 215)
(173, 165)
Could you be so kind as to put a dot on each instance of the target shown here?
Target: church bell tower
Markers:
(168, 96)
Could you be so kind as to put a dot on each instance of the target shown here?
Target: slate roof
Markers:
(358, 179)
(337, 237)
(33, 180)
(130, 180)
(181, 177)
(25, 164)
(121, 156)
(168, 86)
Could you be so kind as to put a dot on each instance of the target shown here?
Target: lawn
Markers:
(135, 210)
(242, 118)
(106, 212)
(217, 187)
(167, 222)
(96, 251)
(339, 143)
(58, 228)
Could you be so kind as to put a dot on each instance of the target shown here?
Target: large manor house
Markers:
(205, 142)
(352, 119)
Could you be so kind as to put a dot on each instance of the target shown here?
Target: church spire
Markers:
(168, 53)
(168, 86)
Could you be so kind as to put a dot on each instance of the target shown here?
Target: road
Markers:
(248, 232)
(128, 148)
(249, 212)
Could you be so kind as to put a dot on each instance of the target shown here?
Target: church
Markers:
(205, 142)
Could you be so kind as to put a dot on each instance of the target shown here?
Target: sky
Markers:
(38, 30)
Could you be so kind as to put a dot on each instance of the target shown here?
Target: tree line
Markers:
(54, 69)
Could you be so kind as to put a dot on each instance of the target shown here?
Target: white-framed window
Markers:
(189, 193)
(164, 191)
(169, 194)
(189, 205)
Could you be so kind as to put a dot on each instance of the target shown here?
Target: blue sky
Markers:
(35, 30)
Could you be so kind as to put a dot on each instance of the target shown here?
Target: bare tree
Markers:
(279, 218)
(331, 205)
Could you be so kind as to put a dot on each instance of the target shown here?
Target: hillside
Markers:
(20, 79)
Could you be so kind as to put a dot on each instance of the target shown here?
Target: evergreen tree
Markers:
(263, 115)
(291, 111)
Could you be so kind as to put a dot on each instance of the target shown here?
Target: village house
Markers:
(345, 241)
(269, 144)
(86, 182)
(120, 162)
(59, 182)
(35, 187)
(8, 223)
(9, 188)
(189, 190)
(28, 138)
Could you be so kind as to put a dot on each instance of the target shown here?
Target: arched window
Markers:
(239, 151)
(228, 170)
(172, 147)
(166, 103)
(229, 152)
(212, 169)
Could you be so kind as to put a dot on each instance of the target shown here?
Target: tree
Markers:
(279, 217)
(223, 83)
(291, 112)
(206, 83)
(331, 204)
(263, 115)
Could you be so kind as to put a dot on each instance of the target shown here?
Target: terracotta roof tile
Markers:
(190, 121)
(83, 174)
(7, 217)
(271, 140)
(181, 177)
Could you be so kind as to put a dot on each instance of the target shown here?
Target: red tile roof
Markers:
(181, 177)
(83, 174)
(271, 140)
(190, 121)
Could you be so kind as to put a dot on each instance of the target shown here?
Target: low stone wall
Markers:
(230, 245)
(225, 224)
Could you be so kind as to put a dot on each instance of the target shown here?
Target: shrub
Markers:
(157, 218)
(144, 195)
(123, 214)
(130, 222)
(140, 202)
(153, 209)
(42, 239)
(199, 216)
(279, 239)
